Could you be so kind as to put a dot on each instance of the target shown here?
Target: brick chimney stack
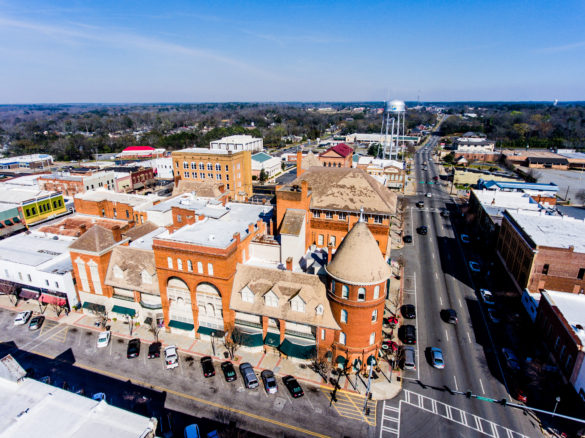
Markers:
(289, 264)
(299, 163)
(117, 233)
(329, 252)
(82, 229)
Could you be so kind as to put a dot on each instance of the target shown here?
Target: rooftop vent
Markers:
(211, 237)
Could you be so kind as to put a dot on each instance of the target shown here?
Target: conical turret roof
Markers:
(358, 260)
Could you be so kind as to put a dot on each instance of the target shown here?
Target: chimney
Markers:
(299, 163)
(237, 238)
(250, 229)
(82, 229)
(117, 233)
(304, 189)
(329, 252)
(289, 264)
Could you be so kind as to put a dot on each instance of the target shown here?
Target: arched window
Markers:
(170, 262)
(189, 266)
(377, 292)
(319, 309)
(342, 338)
(179, 264)
(374, 316)
(373, 338)
(343, 315)
(345, 292)
(199, 268)
(361, 294)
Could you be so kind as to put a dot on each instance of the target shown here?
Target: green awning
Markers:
(371, 360)
(340, 359)
(296, 350)
(272, 339)
(250, 339)
(181, 325)
(94, 307)
(208, 331)
(124, 311)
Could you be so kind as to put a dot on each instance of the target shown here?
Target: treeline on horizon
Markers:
(77, 131)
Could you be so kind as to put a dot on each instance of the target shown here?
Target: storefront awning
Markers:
(121, 310)
(29, 294)
(93, 307)
(371, 360)
(297, 350)
(181, 325)
(341, 359)
(8, 222)
(7, 288)
(272, 339)
(209, 331)
(52, 299)
(249, 339)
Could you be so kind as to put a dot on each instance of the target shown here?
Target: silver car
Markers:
(408, 358)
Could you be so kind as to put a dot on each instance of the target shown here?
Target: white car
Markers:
(428, 195)
(171, 357)
(487, 297)
(23, 317)
(104, 339)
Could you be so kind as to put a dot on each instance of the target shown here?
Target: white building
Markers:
(474, 142)
(238, 143)
(163, 167)
(36, 161)
(40, 265)
(377, 138)
(263, 161)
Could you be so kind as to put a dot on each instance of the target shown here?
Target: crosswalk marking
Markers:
(351, 406)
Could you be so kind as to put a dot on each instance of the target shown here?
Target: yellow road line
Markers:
(197, 399)
(346, 407)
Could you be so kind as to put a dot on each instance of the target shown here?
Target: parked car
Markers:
(422, 230)
(293, 386)
(192, 431)
(408, 311)
(408, 334)
(23, 317)
(494, 316)
(511, 359)
(207, 366)
(99, 396)
(436, 358)
(36, 322)
(420, 204)
(487, 297)
(154, 350)
(171, 357)
(269, 382)
(407, 238)
(449, 316)
(248, 375)
(104, 339)
(133, 348)
(464, 238)
(408, 359)
(474, 266)
(428, 195)
(445, 212)
(228, 371)
(517, 392)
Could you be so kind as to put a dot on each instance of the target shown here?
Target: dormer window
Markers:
(270, 299)
(297, 304)
(118, 273)
(319, 309)
(146, 277)
(247, 295)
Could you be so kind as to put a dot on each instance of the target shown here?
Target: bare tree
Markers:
(154, 329)
(11, 290)
(102, 316)
(57, 308)
(321, 365)
(233, 341)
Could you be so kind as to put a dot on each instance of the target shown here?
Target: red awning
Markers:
(52, 299)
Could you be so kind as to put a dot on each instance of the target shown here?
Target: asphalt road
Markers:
(437, 277)
(70, 354)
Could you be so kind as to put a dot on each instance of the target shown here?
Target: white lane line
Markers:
(469, 338)
(383, 408)
(436, 276)
(456, 387)
(447, 335)
(416, 325)
(481, 384)
(460, 303)
(441, 300)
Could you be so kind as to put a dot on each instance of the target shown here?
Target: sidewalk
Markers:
(259, 360)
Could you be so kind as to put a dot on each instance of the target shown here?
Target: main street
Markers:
(437, 277)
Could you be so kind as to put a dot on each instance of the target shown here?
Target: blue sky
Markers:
(194, 51)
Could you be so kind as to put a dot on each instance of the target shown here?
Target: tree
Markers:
(154, 329)
(57, 308)
(374, 150)
(282, 166)
(449, 158)
(233, 341)
(321, 366)
(263, 176)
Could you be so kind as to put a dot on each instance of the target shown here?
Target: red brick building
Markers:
(340, 155)
(542, 251)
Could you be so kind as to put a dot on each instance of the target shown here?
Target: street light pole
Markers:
(213, 342)
(557, 400)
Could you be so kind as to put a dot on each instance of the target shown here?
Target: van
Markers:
(249, 376)
(408, 358)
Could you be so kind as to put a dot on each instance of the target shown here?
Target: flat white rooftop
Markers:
(206, 151)
(551, 231)
(34, 409)
(242, 138)
(35, 248)
(572, 307)
(102, 194)
(496, 201)
(218, 231)
(20, 194)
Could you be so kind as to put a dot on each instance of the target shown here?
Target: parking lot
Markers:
(69, 356)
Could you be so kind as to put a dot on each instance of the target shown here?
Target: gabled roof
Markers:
(346, 189)
(341, 149)
(95, 240)
(203, 189)
(358, 260)
(141, 230)
(132, 262)
(285, 285)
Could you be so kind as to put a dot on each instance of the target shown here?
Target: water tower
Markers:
(394, 125)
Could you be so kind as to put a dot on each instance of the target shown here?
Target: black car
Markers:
(133, 348)
(420, 204)
(207, 365)
(228, 371)
(408, 311)
(154, 350)
(445, 213)
(408, 334)
(422, 230)
(36, 322)
(293, 386)
(449, 316)
(407, 239)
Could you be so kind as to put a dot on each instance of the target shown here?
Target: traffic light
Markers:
(503, 402)
(468, 394)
